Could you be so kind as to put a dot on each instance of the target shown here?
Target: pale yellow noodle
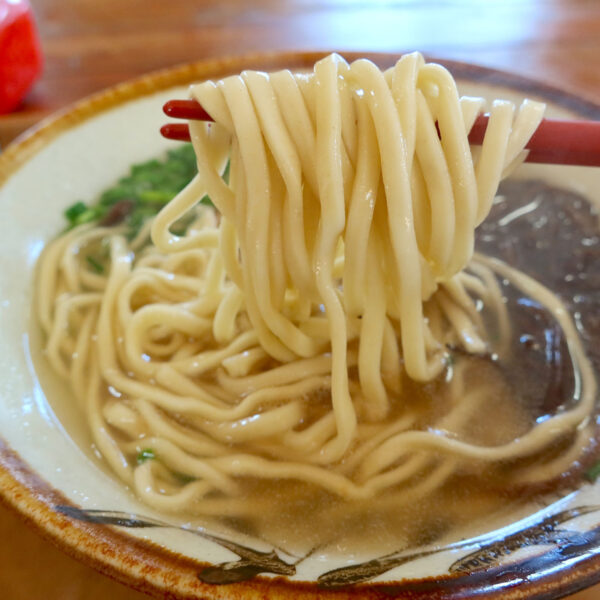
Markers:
(278, 339)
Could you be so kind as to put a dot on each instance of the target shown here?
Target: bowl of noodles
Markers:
(326, 349)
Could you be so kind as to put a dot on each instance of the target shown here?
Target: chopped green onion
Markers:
(98, 267)
(226, 172)
(593, 472)
(87, 216)
(183, 478)
(145, 190)
(156, 196)
(115, 194)
(145, 454)
(74, 211)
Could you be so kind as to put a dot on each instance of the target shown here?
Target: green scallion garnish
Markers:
(141, 194)
(593, 472)
(183, 478)
(96, 266)
(74, 211)
(145, 454)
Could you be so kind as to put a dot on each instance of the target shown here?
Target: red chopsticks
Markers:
(558, 142)
(186, 109)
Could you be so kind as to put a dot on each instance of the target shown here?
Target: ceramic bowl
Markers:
(51, 476)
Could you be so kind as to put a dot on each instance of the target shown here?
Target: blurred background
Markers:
(54, 52)
(89, 44)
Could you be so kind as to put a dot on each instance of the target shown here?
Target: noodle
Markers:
(283, 339)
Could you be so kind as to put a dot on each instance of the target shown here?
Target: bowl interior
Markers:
(42, 424)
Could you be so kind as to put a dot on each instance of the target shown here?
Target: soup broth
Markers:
(486, 400)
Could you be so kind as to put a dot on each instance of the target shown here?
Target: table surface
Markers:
(89, 45)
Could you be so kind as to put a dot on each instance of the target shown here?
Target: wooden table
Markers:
(91, 44)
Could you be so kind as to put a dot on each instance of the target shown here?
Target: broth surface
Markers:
(547, 233)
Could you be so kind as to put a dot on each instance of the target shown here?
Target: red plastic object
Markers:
(20, 53)
(555, 141)
(186, 109)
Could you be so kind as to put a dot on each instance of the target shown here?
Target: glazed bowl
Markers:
(50, 473)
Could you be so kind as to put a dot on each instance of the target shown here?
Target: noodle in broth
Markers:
(297, 344)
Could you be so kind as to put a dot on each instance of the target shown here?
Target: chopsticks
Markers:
(555, 141)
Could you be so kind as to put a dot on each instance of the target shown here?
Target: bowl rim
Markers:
(146, 566)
